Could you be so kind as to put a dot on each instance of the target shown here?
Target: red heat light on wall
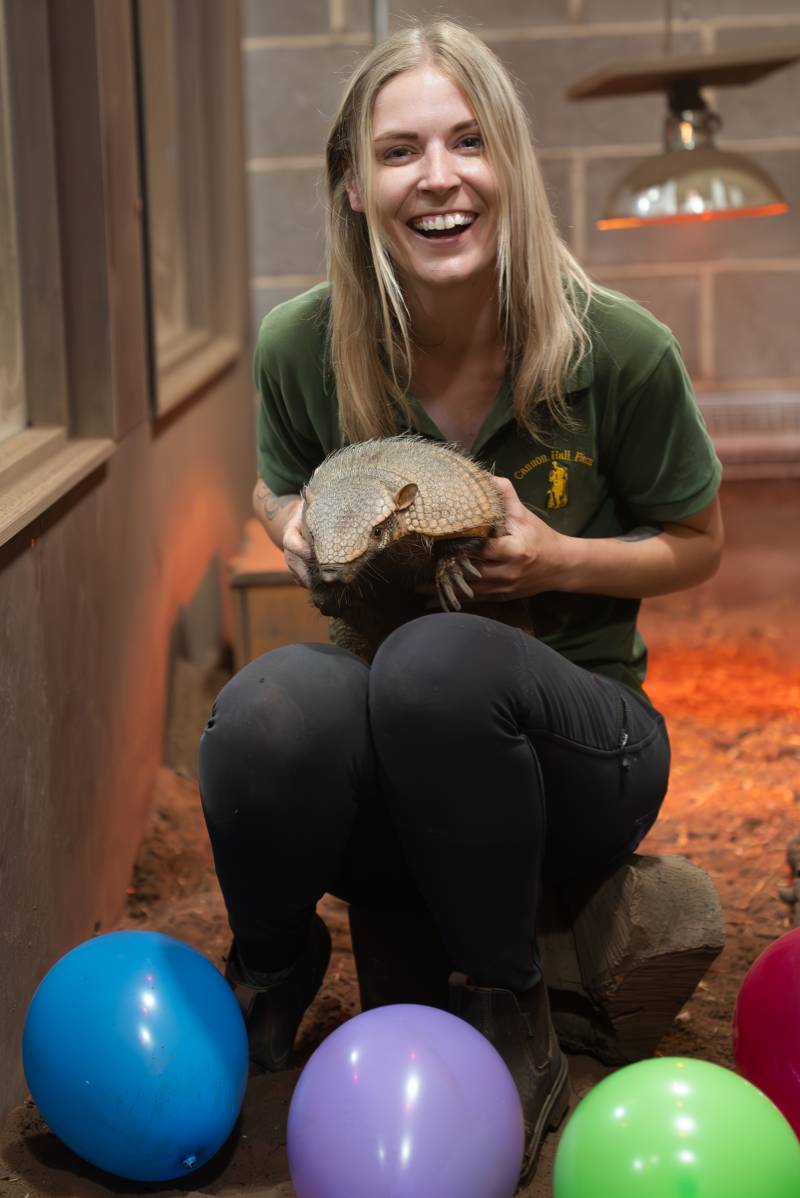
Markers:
(690, 218)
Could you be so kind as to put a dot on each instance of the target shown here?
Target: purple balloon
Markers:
(405, 1101)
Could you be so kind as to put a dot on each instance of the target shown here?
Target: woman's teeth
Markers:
(439, 224)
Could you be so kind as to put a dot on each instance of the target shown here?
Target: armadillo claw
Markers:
(463, 585)
(449, 575)
(448, 600)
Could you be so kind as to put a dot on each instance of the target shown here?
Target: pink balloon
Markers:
(766, 1025)
(407, 1101)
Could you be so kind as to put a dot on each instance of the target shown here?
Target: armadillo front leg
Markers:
(451, 567)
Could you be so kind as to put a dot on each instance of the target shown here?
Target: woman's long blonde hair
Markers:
(543, 292)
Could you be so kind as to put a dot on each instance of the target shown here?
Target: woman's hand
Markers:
(281, 516)
(296, 549)
(529, 559)
(532, 557)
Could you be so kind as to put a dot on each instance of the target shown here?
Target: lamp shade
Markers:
(691, 185)
(692, 180)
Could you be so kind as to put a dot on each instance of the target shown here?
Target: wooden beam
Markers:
(724, 69)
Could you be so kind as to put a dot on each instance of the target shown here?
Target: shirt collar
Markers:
(579, 379)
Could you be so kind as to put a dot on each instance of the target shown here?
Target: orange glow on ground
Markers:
(726, 682)
(733, 714)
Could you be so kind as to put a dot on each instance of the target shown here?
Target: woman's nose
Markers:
(438, 170)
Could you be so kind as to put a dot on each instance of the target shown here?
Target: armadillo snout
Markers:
(338, 573)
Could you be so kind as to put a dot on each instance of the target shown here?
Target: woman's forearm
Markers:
(532, 557)
(643, 563)
(274, 511)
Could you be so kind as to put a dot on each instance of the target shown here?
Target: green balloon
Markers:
(676, 1128)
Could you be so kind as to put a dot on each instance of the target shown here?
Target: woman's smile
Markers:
(443, 228)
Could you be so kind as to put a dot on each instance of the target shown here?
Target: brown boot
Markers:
(519, 1027)
(273, 1012)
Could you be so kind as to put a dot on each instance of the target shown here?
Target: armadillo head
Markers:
(347, 523)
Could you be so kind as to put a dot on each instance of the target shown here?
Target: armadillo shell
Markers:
(455, 495)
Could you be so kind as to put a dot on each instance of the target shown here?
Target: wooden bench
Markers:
(622, 952)
(269, 608)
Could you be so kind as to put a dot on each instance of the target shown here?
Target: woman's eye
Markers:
(397, 154)
(472, 142)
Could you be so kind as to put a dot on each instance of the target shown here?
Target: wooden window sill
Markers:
(37, 468)
(195, 371)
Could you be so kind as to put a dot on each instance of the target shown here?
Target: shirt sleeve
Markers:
(664, 465)
(287, 453)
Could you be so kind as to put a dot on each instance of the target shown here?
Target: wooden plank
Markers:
(271, 608)
(27, 449)
(194, 373)
(13, 398)
(727, 68)
(282, 615)
(125, 287)
(82, 213)
(226, 122)
(260, 562)
(174, 129)
(22, 501)
(35, 187)
(210, 198)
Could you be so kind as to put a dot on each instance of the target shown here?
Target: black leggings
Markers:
(467, 762)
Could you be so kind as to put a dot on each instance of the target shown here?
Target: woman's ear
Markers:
(353, 193)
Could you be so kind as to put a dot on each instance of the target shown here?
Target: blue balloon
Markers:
(135, 1052)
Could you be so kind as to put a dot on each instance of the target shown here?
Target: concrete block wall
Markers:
(727, 288)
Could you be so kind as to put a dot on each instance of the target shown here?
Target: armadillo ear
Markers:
(405, 496)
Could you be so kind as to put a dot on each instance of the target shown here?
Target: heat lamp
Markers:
(692, 180)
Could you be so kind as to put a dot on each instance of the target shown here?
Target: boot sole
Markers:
(550, 1119)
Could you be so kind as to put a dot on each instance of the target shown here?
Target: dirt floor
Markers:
(728, 682)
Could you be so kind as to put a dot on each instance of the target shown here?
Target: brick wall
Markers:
(728, 289)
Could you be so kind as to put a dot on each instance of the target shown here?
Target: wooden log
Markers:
(621, 952)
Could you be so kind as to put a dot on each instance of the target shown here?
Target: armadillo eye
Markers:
(377, 532)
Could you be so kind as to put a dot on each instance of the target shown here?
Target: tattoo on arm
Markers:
(641, 534)
(270, 502)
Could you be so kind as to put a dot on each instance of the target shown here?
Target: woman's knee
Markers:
(277, 722)
(444, 664)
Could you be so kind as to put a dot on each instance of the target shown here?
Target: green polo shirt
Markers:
(641, 452)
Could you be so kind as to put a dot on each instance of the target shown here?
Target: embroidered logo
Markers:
(559, 462)
(558, 478)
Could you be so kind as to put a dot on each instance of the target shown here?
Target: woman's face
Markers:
(431, 169)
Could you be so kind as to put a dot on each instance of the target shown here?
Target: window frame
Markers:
(75, 132)
(61, 104)
(199, 353)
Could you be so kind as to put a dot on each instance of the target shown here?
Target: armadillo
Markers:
(384, 516)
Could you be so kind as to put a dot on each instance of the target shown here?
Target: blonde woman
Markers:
(470, 759)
